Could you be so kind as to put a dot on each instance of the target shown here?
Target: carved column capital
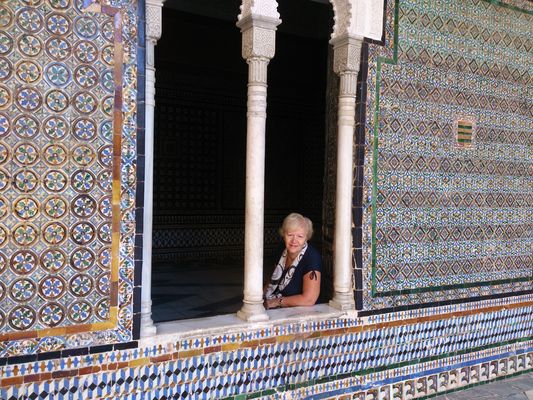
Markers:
(258, 36)
(347, 54)
(154, 24)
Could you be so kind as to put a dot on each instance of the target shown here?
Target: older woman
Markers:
(296, 277)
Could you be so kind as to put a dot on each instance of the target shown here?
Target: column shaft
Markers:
(258, 26)
(343, 297)
(252, 309)
(147, 325)
(153, 33)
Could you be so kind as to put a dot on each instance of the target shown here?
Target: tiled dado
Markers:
(315, 357)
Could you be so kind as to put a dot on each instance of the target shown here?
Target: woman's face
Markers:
(295, 238)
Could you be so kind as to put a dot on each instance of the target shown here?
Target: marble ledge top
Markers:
(171, 331)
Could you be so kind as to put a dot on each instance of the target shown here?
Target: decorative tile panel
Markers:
(441, 223)
(315, 358)
(67, 172)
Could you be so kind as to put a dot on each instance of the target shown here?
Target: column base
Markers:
(253, 313)
(148, 328)
(342, 301)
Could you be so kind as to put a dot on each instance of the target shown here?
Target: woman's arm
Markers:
(309, 296)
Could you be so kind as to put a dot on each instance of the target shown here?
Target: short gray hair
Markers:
(295, 219)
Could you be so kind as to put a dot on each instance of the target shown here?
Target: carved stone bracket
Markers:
(154, 28)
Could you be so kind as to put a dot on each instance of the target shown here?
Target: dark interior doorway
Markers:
(200, 142)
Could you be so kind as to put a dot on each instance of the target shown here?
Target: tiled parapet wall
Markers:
(321, 357)
(442, 220)
(68, 126)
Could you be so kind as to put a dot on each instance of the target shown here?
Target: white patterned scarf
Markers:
(282, 276)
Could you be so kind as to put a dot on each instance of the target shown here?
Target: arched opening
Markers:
(200, 141)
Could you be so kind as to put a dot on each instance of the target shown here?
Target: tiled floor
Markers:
(516, 388)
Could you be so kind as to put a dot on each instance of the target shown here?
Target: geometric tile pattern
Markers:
(149, 383)
(446, 217)
(56, 166)
(403, 354)
(436, 381)
(188, 134)
(319, 357)
(67, 173)
(182, 237)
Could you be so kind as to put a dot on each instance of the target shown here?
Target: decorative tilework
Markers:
(67, 117)
(212, 236)
(442, 223)
(401, 354)
(300, 359)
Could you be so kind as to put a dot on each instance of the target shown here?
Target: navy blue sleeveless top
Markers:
(311, 261)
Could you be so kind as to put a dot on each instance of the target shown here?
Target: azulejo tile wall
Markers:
(67, 173)
(443, 221)
(406, 353)
(402, 355)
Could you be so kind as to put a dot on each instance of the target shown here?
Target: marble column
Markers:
(153, 33)
(258, 47)
(347, 52)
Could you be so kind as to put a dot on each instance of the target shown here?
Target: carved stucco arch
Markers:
(259, 8)
(342, 16)
(351, 17)
(357, 18)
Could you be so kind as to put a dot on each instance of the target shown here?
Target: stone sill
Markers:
(171, 331)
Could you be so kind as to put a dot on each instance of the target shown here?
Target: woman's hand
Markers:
(309, 296)
(273, 303)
